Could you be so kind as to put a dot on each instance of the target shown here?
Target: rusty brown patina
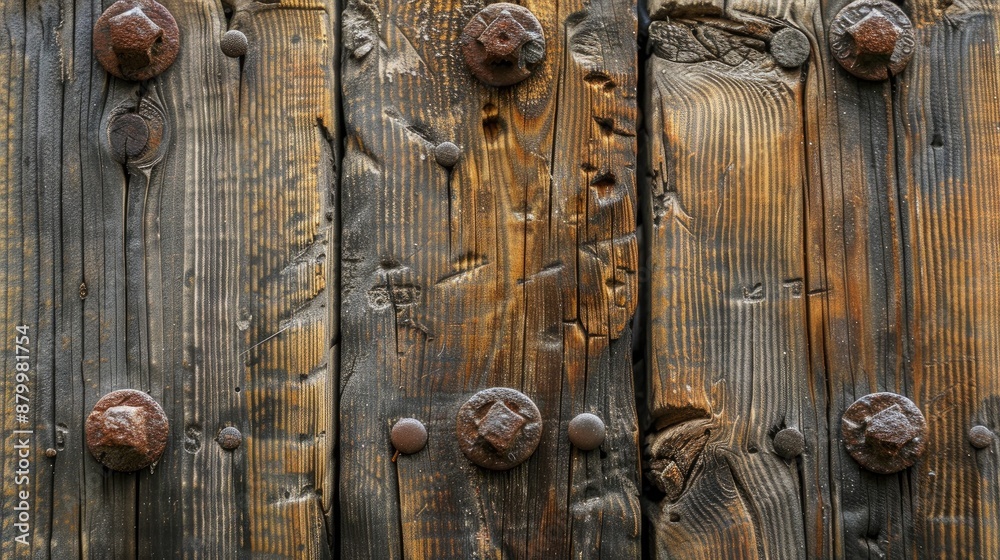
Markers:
(499, 428)
(127, 430)
(884, 432)
(872, 39)
(136, 39)
(502, 44)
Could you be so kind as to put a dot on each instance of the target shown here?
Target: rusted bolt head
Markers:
(790, 48)
(884, 432)
(408, 435)
(127, 430)
(980, 437)
(502, 44)
(872, 39)
(234, 43)
(229, 438)
(447, 154)
(498, 428)
(586, 431)
(789, 443)
(136, 39)
(128, 134)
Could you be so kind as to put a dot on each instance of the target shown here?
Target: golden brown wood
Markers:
(727, 349)
(516, 268)
(947, 115)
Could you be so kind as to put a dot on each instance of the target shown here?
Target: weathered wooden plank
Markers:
(288, 118)
(727, 351)
(516, 268)
(947, 115)
(186, 239)
(856, 291)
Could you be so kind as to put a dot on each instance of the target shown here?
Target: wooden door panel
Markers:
(668, 224)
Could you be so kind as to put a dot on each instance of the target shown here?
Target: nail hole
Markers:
(937, 141)
(674, 517)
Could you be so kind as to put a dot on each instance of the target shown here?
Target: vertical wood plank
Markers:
(516, 268)
(948, 115)
(727, 348)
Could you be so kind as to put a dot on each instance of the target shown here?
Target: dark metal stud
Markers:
(447, 154)
(127, 430)
(498, 428)
(981, 437)
(502, 44)
(234, 43)
(136, 39)
(586, 431)
(790, 48)
(884, 432)
(408, 435)
(789, 443)
(872, 39)
(229, 438)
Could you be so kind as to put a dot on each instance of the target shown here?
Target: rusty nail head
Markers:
(51, 452)
(127, 430)
(129, 135)
(229, 438)
(447, 154)
(502, 44)
(789, 443)
(136, 39)
(408, 435)
(498, 428)
(872, 39)
(790, 48)
(586, 431)
(884, 432)
(234, 43)
(980, 437)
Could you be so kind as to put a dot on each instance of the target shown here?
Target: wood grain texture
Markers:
(198, 275)
(947, 115)
(727, 352)
(856, 310)
(517, 269)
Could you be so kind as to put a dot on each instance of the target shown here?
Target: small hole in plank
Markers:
(937, 141)
(674, 517)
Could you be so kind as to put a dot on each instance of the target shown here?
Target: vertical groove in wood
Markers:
(727, 348)
(948, 113)
(456, 281)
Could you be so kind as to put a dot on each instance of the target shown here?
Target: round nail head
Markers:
(789, 443)
(502, 44)
(51, 452)
(127, 430)
(498, 428)
(586, 431)
(872, 39)
(790, 48)
(884, 432)
(136, 39)
(980, 437)
(408, 435)
(234, 43)
(229, 438)
(447, 154)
